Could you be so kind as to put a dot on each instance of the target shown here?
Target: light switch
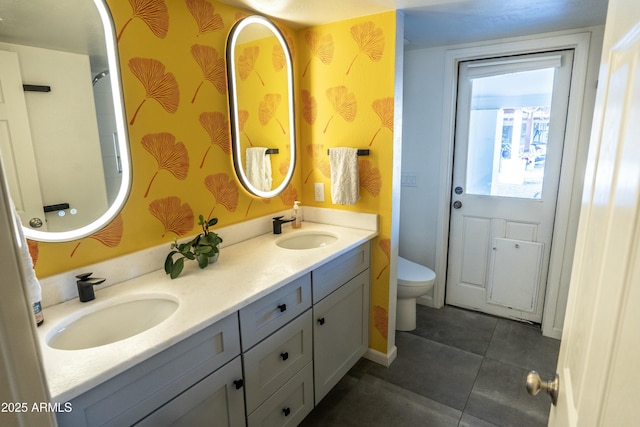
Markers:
(318, 188)
(408, 179)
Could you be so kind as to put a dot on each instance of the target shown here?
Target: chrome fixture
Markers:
(535, 384)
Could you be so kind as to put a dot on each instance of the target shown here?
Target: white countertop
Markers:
(244, 273)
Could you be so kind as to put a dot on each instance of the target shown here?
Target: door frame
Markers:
(571, 174)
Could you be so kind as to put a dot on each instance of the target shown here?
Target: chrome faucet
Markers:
(85, 286)
(277, 224)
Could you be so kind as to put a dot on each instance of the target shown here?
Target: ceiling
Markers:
(428, 23)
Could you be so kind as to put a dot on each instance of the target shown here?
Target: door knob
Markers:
(35, 222)
(457, 204)
(535, 384)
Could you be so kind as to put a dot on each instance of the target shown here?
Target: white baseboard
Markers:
(382, 358)
(426, 300)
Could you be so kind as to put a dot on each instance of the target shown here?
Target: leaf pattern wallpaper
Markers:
(170, 155)
(158, 85)
(264, 120)
(370, 41)
(343, 102)
(217, 126)
(205, 16)
(321, 47)
(176, 217)
(213, 68)
(247, 63)
(343, 73)
(153, 13)
(346, 99)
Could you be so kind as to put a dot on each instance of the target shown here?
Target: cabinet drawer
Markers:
(274, 361)
(135, 393)
(214, 401)
(336, 273)
(265, 316)
(289, 405)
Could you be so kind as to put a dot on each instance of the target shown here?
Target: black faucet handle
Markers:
(84, 276)
(85, 285)
(278, 218)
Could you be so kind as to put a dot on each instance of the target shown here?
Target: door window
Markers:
(508, 133)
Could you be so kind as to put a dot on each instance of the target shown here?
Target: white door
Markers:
(16, 147)
(510, 124)
(600, 349)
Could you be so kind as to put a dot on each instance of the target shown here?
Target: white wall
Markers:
(64, 136)
(421, 152)
(107, 127)
(423, 145)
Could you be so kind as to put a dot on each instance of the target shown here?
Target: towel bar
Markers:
(360, 152)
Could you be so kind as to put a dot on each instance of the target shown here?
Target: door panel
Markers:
(16, 146)
(600, 349)
(507, 157)
(474, 251)
(515, 269)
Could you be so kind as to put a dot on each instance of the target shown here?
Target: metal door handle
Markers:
(535, 384)
(457, 204)
(35, 222)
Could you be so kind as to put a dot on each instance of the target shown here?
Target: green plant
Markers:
(202, 248)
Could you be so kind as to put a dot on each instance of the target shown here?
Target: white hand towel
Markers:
(258, 168)
(345, 183)
(34, 291)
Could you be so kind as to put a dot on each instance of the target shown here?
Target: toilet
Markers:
(414, 280)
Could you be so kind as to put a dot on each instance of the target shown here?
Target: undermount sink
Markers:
(306, 240)
(112, 322)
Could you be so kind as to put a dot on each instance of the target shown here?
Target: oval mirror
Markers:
(260, 77)
(63, 139)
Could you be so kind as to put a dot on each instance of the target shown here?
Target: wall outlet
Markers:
(318, 191)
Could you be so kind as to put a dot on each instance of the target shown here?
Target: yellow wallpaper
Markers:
(346, 87)
(262, 92)
(172, 59)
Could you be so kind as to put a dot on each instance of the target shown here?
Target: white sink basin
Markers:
(112, 322)
(306, 240)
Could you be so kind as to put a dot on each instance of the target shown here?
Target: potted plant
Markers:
(204, 248)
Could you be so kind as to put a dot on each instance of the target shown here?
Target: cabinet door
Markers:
(340, 332)
(137, 392)
(214, 401)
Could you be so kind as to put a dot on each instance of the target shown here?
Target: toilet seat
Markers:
(412, 274)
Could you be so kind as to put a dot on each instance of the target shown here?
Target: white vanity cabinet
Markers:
(341, 317)
(183, 380)
(267, 364)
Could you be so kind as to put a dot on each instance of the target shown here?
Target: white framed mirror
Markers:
(261, 103)
(63, 134)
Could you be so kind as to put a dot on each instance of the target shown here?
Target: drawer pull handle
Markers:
(321, 320)
(284, 355)
(282, 307)
(286, 411)
(238, 384)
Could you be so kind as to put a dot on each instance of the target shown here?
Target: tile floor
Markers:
(458, 368)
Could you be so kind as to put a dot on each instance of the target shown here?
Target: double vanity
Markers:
(258, 338)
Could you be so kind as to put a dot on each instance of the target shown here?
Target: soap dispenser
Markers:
(297, 215)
